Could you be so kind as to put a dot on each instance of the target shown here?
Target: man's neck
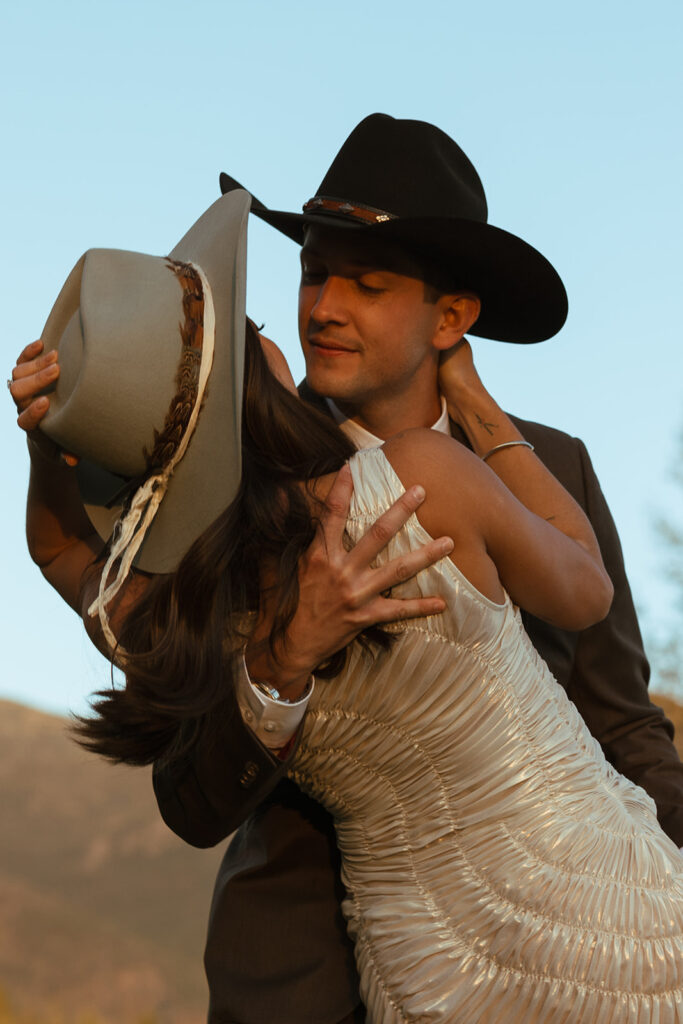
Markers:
(384, 420)
(363, 438)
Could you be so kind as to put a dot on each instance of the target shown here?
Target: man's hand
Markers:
(340, 592)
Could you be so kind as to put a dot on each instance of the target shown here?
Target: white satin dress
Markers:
(497, 868)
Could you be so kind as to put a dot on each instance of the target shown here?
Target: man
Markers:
(398, 263)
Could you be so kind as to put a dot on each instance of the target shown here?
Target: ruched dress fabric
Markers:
(497, 868)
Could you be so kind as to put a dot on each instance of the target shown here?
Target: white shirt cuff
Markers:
(273, 722)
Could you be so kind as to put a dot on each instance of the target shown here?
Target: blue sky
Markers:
(118, 118)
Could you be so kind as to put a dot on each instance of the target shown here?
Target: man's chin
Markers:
(327, 389)
(326, 386)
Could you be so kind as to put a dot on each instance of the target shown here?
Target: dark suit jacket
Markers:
(277, 949)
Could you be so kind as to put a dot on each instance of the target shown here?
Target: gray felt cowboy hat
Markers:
(139, 337)
(408, 183)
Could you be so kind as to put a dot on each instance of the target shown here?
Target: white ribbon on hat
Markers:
(131, 528)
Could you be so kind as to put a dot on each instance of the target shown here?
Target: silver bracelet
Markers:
(507, 444)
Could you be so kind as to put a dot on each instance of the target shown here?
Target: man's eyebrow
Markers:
(371, 264)
(353, 261)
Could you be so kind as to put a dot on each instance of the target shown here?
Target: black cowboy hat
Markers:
(408, 182)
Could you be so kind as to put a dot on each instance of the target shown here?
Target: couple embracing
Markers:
(328, 591)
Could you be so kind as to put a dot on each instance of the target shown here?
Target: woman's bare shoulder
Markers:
(449, 472)
(456, 499)
(424, 456)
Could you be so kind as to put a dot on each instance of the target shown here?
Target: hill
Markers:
(103, 909)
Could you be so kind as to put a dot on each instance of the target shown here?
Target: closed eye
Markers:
(369, 288)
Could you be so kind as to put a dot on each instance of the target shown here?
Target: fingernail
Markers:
(447, 545)
(418, 493)
(51, 355)
(41, 403)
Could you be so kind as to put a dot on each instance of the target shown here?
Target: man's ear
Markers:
(461, 311)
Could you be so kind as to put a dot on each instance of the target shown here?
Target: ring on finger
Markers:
(10, 382)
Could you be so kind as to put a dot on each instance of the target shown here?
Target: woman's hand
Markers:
(458, 379)
(34, 371)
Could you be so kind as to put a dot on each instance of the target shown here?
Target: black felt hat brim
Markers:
(408, 182)
(523, 300)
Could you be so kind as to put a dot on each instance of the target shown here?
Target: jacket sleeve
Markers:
(609, 681)
(204, 796)
(604, 669)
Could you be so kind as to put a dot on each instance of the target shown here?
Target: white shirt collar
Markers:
(363, 439)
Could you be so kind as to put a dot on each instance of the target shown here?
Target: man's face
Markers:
(366, 322)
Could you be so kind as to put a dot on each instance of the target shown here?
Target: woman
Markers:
(538, 885)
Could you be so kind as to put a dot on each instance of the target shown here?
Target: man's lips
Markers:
(326, 347)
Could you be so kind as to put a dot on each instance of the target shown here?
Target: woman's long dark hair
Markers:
(183, 630)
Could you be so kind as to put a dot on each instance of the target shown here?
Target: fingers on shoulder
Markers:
(400, 610)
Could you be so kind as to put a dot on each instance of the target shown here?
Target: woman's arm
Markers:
(512, 522)
(61, 539)
(487, 427)
(546, 567)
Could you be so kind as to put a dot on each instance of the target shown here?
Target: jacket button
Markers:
(249, 774)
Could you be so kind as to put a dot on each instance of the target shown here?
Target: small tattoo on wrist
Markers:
(488, 427)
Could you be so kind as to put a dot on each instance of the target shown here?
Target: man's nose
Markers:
(330, 304)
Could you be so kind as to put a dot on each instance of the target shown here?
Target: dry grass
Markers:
(8, 1015)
